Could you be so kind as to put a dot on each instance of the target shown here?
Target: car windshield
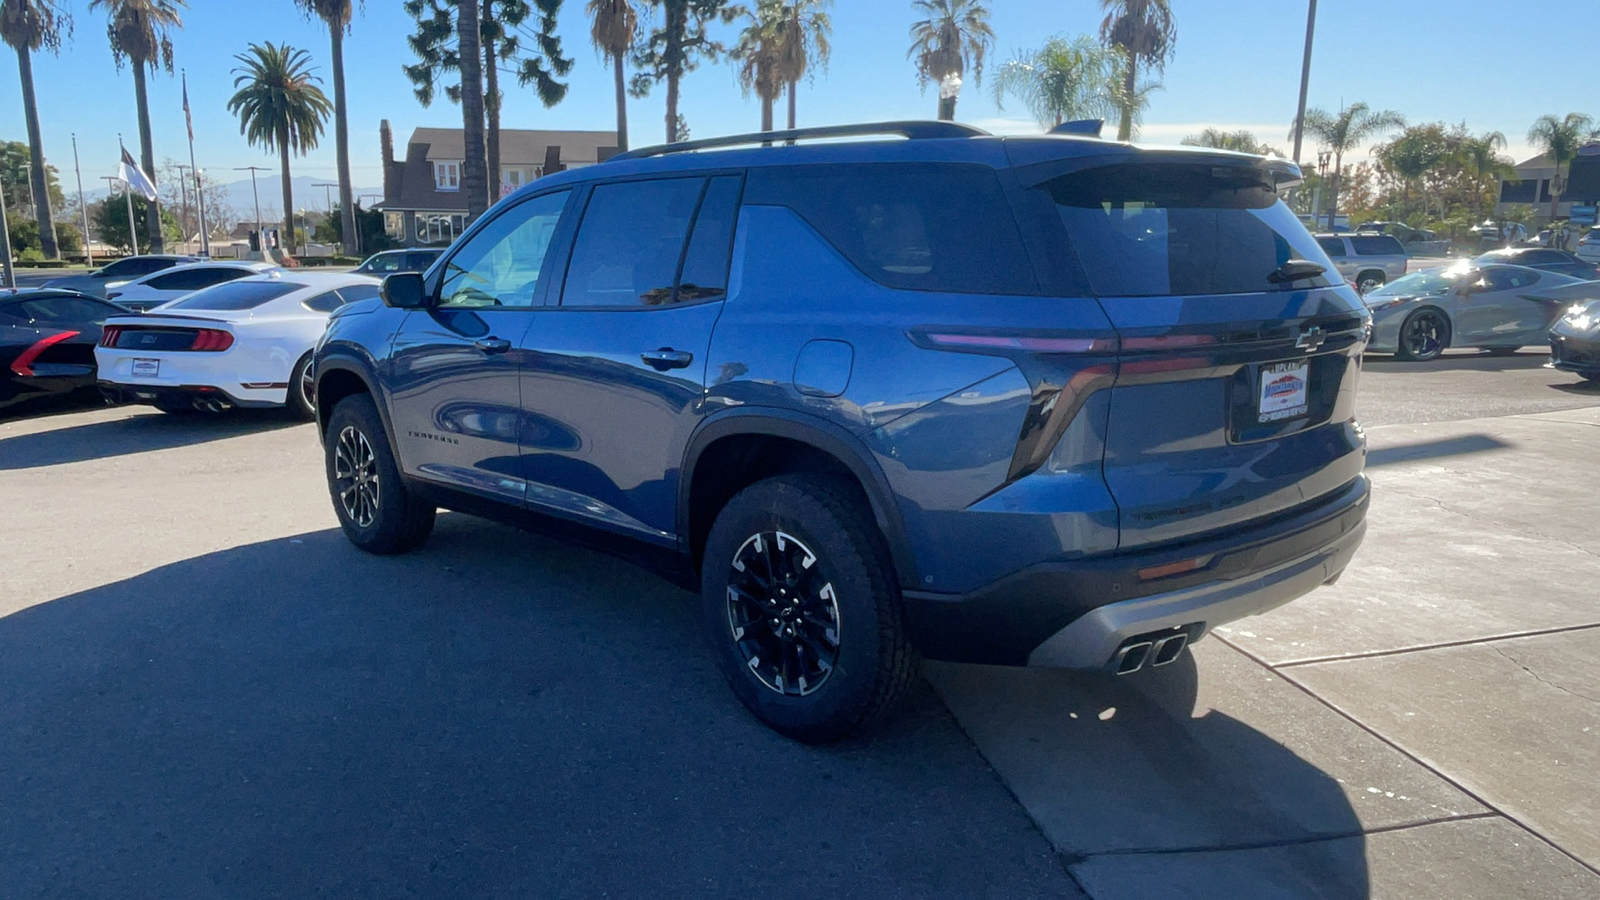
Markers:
(235, 295)
(1433, 281)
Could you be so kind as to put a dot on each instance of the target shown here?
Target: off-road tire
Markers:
(399, 521)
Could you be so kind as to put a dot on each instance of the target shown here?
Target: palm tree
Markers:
(1242, 141)
(1484, 167)
(28, 25)
(1560, 139)
(615, 24)
(802, 37)
(141, 33)
(756, 55)
(1353, 126)
(336, 15)
(1062, 80)
(1145, 33)
(954, 36)
(279, 107)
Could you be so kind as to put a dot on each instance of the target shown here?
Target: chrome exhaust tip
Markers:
(1168, 649)
(1131, 657)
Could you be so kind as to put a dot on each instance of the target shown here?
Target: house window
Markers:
(513, 177)
(447, 176)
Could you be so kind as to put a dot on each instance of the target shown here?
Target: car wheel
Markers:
(301, 402)
(375, 509)
(1368, 282)
(1423, 336)
(802, 608)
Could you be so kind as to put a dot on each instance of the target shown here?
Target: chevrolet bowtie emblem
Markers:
(1310, 339)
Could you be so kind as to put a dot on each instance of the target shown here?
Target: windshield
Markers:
(234, 295)
(1433, 281)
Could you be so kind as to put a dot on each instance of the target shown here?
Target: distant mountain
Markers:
(306, 195)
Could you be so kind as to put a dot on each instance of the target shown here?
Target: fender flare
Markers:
(824, 436)
(335, 361)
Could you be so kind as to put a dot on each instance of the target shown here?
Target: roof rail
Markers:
(912, 130)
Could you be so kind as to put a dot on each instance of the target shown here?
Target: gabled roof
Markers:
(519, 146)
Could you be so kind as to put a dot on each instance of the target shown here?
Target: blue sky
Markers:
(1237, 65)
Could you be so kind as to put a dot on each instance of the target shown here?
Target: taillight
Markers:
(23, 364)
(109, 335)
(212, 340)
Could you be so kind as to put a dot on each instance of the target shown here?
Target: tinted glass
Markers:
(1376, 245)
(63, 310)
(354, 292)
(192, 279)
(1544, 256)
(419, 262)
(705, 264)
(1331, 246)
(630, 242)
(926, 227)
(123, 268)
(385, 262)
(325, 302)
(500, 265)
(235, 295)
(1158, 230)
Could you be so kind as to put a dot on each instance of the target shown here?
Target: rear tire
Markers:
(1424, 335)
(802, 608)
(301, 401)
(1367, 282)
(376, 510)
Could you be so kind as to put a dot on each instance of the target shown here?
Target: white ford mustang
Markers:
(243, 343)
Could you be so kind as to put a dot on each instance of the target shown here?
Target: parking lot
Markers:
(207, 692)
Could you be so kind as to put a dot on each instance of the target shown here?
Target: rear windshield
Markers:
(235, 295)
(1376, 245)
(1157, 230)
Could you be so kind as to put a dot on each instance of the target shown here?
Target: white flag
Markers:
(135, 177)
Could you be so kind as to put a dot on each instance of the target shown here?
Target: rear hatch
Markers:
(1233, 399)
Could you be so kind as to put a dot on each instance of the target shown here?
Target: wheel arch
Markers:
(338, 377)
(739, 447)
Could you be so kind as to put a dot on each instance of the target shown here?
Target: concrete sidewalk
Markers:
(1427, 728)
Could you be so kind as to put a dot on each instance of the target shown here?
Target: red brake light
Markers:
(109, 335)
(212, 340)
(23, 364)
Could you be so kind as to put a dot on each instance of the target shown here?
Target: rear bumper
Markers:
(1076, 614)
(198, 396)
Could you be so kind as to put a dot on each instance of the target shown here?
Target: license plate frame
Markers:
(146, 368)
(1282, 391)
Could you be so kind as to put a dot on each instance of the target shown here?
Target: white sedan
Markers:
(243, 343)
(181, 280)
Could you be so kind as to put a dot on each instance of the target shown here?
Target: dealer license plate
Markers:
(1283, 391)
(146, 368)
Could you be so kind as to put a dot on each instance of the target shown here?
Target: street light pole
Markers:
(83, 207)
(183, 194)
(261, 239)
(1305, 80)
(8, 278)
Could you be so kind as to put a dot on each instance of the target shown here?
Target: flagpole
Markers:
(199, 200)
(133, 232)
(82, 206)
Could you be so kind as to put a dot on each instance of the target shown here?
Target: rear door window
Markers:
(1376, 245)
(1334, 247)
(630, 242)
(912, 226)
(705, 262)
(1147, 230)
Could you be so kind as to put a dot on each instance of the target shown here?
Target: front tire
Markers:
(1423, 336)
(376, 511)
(802, 608)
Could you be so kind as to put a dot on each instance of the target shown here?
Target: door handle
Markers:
(492, 344)
(667, 358)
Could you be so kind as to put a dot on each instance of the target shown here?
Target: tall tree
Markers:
(28, 25)
(1484, 167)
(140, 32)
(503, 26)
(755, 55)
(802, 41)
(336, 14)
(1353, 126)
(280, 108)
(1560, 139)
(1146, 34)
(1062, 80)
(953, 38)
(1242, 141)
(675, 47)
(614, 24)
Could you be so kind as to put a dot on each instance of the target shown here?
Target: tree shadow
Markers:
(496, 715)
(133, 434)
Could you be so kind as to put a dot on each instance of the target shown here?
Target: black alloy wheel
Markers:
(783, 613)
(376, 510)
(1424, 335)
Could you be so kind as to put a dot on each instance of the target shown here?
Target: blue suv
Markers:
(1048, 400)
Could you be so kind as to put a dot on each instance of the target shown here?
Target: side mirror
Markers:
(404, 290)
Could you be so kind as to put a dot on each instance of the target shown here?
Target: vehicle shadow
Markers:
(1456, 446)
(1465, 360)
(496, 715)
(136, 433)
(1580, 388)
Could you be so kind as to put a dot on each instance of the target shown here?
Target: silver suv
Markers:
(1368, 261)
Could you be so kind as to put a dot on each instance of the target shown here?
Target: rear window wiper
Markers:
(1295, 270)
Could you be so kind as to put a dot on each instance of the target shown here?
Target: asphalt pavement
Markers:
(208, 693)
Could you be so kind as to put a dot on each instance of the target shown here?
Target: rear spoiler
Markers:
(1037, 162)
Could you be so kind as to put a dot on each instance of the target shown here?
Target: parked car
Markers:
(870, 399)
(1589, 247)
(120, 272)
(1366, 260)
(1559, 261)
(179, 281)
(242, 343)
(1494, 307)
(387, 262)
(47, 339)
(1400, 231)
